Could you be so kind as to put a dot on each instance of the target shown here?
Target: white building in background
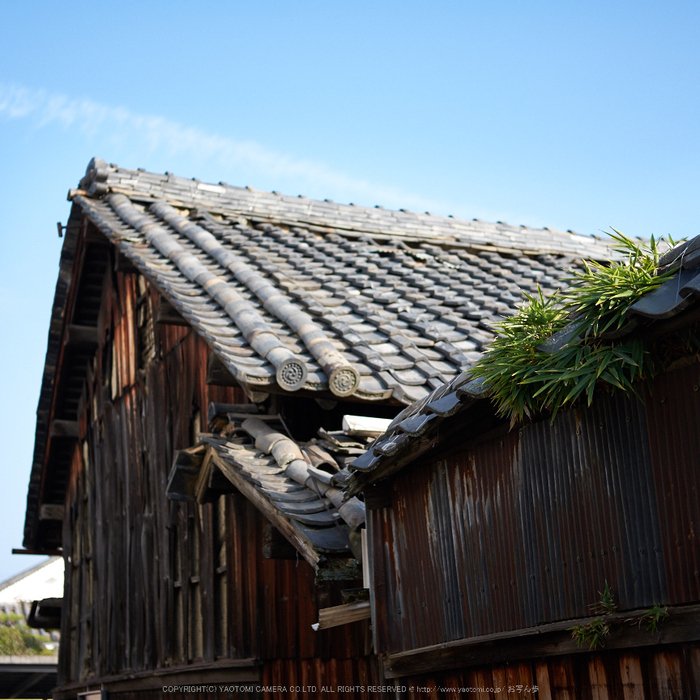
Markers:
(44, 580)
(31, 676)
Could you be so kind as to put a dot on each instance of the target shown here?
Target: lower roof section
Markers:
(296, 485)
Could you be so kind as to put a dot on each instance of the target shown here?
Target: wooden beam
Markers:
(342, 615)
(201, 484)
(378, 496)
(42, 552)
(554, 639)
(64, 428)
(217, 372)
(269, 511)
(21, 690)
(165, 313)
(275, 545)
(123, 264)
(364, 548)
(182, 480)
(80, 335)
(51, 511)
(229, 672)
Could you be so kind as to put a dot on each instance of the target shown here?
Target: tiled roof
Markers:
(289, 481)
(415, 429)
(341, 300)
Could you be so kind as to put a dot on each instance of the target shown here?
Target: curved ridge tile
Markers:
(291, 371)
(343, 378)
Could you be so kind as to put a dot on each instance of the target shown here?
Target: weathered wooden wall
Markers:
(153, 583)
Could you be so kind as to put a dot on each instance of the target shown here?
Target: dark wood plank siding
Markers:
(640, 675)
(153, 583)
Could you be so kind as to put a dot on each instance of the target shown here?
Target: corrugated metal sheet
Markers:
(527, 528)
(673, 423)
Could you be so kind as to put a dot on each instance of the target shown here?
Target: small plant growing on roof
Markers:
(525, 377)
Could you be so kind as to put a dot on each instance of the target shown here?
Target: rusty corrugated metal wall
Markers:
(527, 528)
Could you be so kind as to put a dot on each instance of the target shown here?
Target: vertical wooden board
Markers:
(306, 673)
(319, 674)
(632, 678)
(292, 678)
(668, 678)
(129, 321)
(255, 581)
(598, 679)
(201, 353)
(155, 455)
(562, 679)
(450, 684)
(693, 665)
(148, 563)
(308, 612)
(388, 635)
(206, 576)
(346, 675)
(483, 680)
(426, 605)
(115, 360)
(266, 679)
(430, 688)
(331, 676)
(512, 678)
(234, 575)
(414, 690)
(525, 675)
(498, 675)
(125, 349)
(278, 673)
(364, 675)
(272, 620)
(183, 569)
(289, 607)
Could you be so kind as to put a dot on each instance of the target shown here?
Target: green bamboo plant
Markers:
(524, 378)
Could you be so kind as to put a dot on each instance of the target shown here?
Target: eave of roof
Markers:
(48, 382)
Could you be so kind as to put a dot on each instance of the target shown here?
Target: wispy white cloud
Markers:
(152, 134)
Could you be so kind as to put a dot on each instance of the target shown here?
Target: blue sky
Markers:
(563, 114)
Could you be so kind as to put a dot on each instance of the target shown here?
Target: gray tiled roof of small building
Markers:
(291, 486)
